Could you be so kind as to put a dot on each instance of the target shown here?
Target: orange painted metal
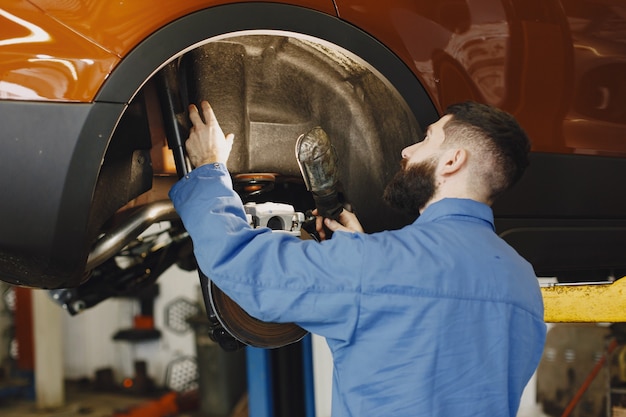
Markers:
(120, 25)
(42, 60)
(166, 405)
(24, 328)
(558, 66)
(63, 51)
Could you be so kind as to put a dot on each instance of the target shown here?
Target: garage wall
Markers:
(6, 321)
(89, 343)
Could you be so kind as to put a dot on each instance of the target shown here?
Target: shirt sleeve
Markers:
(273, 276)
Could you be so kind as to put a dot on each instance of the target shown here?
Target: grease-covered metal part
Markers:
(115, 240)
(318, 163)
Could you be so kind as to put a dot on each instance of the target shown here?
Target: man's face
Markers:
(415, 184)
(431, 144)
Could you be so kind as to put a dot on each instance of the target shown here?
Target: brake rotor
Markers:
(247, 329)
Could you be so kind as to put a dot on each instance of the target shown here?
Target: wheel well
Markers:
(269, 86)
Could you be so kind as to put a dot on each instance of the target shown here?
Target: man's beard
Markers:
(412, 187)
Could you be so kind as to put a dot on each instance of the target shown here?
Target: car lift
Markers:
(603, 302)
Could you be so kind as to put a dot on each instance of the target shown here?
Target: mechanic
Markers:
(439, 318)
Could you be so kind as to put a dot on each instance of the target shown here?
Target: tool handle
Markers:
(173, 113)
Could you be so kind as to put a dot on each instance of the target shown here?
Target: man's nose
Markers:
(408, 151)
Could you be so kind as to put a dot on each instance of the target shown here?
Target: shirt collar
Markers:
(457, 207)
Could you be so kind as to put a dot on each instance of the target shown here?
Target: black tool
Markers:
(318, 164)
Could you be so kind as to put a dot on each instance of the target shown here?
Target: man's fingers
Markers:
(333, 224)
(347, 223)
(194, 115)
(207, 112)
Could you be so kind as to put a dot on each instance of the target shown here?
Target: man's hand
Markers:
(207, 143)
(348, 222)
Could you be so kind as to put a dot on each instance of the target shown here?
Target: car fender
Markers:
(54, 251)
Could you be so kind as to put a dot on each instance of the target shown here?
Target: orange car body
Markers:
(529, 57)
(54, 52)
(558, 66)
(65, 53)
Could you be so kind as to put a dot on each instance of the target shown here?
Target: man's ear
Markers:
(452, 161)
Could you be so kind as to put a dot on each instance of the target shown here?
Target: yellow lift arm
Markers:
(585, 303)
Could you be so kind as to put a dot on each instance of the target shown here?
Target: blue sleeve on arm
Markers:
(272, 275)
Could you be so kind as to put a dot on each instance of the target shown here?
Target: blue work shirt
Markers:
(439, 318)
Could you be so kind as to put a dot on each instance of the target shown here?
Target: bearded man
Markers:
(439, 318)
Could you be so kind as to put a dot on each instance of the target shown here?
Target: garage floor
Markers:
(87, 403)
(77, 404)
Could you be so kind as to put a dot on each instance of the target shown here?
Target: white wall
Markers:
(88, 337)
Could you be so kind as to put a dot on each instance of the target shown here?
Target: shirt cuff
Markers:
(212, 170)
(207, 168)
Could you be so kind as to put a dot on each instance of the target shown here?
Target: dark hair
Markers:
(499, 133)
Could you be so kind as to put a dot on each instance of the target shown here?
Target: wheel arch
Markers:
(190, 31)
(73, 224)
